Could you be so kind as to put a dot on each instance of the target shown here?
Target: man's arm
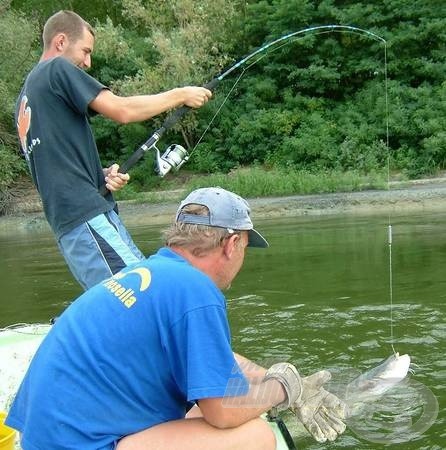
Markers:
(228, 412)
(252, 371)
(281, 386)
(142, 107)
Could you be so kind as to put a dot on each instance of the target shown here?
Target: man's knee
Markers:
(264, 435)
(193, 434)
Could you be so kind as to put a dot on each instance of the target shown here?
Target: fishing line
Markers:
(175, 155)
(272, 47)
(392, 338)
(288, 40)
(390, 230)
(218, 111)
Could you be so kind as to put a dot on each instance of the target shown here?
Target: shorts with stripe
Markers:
(99, 248)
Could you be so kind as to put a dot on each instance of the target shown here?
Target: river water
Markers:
(319, 297)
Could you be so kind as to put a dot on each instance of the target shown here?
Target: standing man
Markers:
(55, 136)
(127, 360)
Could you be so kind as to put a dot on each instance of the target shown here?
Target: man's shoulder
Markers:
(48, 68)
(61, 63)
(64, 62)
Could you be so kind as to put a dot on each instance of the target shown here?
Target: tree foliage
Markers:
(16, 56)
(322, 101)
(333, 90)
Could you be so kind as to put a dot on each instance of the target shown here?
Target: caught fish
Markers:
(374, 383)
(365, 395)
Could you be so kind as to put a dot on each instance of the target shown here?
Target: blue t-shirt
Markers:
(132, 352)
(52, 118)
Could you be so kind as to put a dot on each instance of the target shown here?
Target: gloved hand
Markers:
(290, 379)
(321, 412)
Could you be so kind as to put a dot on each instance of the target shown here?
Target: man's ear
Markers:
(230, 244)
(60, 42)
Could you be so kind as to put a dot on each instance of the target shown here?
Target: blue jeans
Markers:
(99, 248)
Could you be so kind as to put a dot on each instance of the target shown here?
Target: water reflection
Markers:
(318, 297)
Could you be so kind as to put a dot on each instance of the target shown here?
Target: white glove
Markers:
(291, 381)
(321, 412)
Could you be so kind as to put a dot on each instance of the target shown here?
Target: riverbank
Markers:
(416, 196)
(397, 200)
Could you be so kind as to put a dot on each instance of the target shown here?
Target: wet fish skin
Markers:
(375, 382)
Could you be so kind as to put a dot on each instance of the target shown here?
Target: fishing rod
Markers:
(175, 155)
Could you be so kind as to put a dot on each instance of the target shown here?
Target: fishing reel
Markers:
(173, 158)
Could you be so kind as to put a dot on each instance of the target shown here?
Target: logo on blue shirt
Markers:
(125, 294)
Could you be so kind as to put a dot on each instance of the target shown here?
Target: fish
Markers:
(376, 382)
(361, 392)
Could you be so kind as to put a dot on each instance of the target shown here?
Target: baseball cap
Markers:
(226, 210)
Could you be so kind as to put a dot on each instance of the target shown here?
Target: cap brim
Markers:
(255, 239)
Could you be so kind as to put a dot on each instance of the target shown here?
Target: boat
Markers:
(19, 342)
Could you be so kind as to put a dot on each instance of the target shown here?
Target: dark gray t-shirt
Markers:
(58, 143)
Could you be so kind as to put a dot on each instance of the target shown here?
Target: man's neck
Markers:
(209, 263)
(49, 54)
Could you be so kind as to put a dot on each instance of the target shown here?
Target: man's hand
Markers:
(321, 412)
(196, 96)
(115, 180)
(291, 381)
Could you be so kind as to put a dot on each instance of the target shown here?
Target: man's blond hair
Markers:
(67, 22)
(198, 239)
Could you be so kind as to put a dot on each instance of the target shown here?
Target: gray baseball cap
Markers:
(226, 210)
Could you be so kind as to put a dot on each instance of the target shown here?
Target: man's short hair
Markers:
(199, 239)
(67, 22)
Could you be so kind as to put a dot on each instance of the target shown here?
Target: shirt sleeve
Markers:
(75, 86)
(205, 366)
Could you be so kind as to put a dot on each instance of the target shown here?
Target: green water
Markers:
(318, 297)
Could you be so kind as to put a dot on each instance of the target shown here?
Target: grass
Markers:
(259, 182)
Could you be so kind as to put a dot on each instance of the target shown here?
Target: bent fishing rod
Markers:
(176, 155)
